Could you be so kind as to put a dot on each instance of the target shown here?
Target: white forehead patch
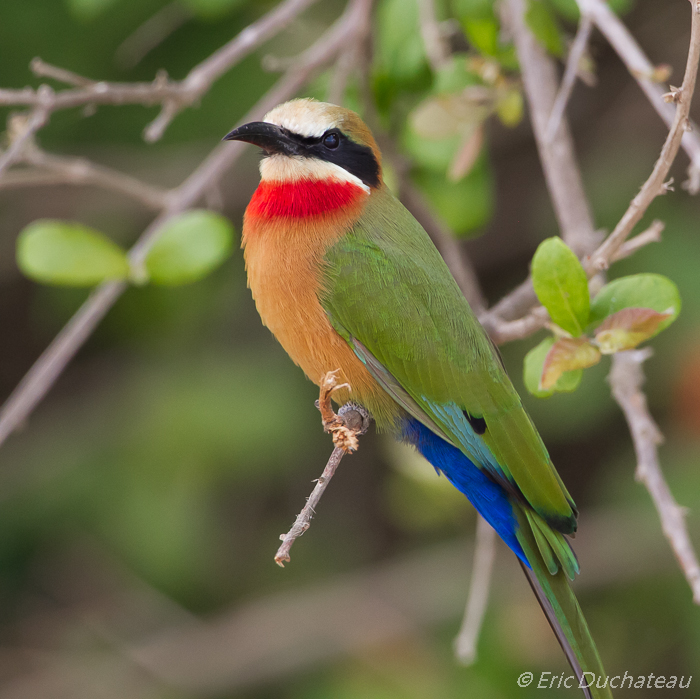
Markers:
(306, 117)
(284, 168)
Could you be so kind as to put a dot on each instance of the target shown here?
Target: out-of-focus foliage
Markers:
(155, 480)
(57, 252)
(190, 246)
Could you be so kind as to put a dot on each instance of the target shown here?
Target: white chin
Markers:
(285, 168)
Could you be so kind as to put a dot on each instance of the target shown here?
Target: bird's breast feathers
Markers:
(287, 229)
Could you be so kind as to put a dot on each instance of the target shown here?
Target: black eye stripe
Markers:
(357, 159)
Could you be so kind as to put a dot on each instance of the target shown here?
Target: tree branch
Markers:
(642, 70)
(578, 49)
(557, 154)
(172, 94)
(42, 375)
(654, 186)
(626, 379)
(482, 568)
(51, 169)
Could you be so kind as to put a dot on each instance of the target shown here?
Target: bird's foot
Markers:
(344, 435)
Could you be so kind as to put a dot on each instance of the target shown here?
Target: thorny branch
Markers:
(626, 379)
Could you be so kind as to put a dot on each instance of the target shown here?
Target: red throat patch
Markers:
(303, 198)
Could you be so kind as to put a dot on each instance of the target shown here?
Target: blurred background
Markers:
(140, 507)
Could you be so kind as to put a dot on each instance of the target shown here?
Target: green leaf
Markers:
(473, 9)
(465, 206)
(627, 328)
(190, 246)
(637, 291)
(544, 26)
(483, 34)
(89, 9)
(69, 254)
(509, 106)
(567, 354)
(534, 366)
(400, 49)
(561, 285)
(213, 9)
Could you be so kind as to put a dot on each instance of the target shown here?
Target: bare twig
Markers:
(654, 186)
(355, 420)
(642, 71)
(173, 95)
(42, 375)
(650, 235)
(45, 70)
(22, 128)
(578, 49)
(557, 154)
(50, 169)
(484, 557)
(522, 298)
(626, 379)
(303, 520)
(151, 33)
(436, 49)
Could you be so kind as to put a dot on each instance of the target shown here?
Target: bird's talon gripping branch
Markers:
(344, 437)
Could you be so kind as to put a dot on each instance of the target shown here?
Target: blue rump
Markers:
(489, 498)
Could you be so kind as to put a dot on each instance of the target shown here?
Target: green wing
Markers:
(388, 292)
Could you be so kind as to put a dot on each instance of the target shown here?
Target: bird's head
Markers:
(309, 140)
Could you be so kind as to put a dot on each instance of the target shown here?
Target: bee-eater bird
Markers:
(346, 278)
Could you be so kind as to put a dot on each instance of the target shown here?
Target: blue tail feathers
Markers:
(486, 495)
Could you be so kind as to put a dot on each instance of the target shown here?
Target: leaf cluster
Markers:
(622, 315)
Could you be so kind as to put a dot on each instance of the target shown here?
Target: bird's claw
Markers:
(343, 437)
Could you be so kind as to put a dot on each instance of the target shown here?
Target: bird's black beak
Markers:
(272, 139)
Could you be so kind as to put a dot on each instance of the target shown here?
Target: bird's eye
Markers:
(331, 140)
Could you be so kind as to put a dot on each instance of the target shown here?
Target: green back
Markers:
(390, 295)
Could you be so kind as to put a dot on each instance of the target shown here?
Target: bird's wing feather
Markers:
(388, 292)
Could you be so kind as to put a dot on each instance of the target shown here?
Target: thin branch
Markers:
(650, 235)
(351, 421)
(173, 95)
(626, 379)
(151, 34)
(42, 375)
(642, 70)
(436, 49)
(22, 128)
(557, 154)
(303, 520)
(51, 169)
(523, 297)
(482, 568)
(578, 49)
(45, 70)
(655, 184)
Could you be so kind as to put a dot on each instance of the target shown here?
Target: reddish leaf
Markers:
(627, 328)
(567, 354)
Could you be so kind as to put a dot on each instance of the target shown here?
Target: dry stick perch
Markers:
(626, 379)
(350, 421)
